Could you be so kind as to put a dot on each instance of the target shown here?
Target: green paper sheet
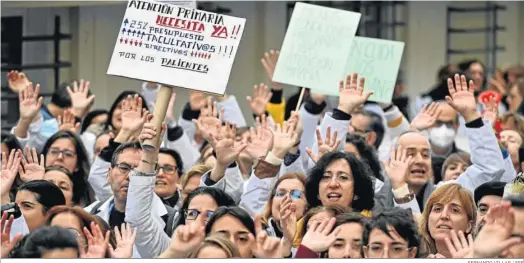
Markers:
(315, 49)
(379, 61)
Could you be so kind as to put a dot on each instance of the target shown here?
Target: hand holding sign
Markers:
(157, 41)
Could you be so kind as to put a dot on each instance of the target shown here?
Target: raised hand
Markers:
(185, 239)
(288, 223)
(261, 97)
(319, 236)
(197, 100)
(397, 167)
(9, 171)
(133, 115)
(427, 117)
(97, 244)
(30, 102)
(284, 139)
(491, 112)
(495, 235)
(67, 122)
(269, 61)
(329, 145)
(225, 147)
(288, 218)
(149, 132)
(498, 83)
(80, 99)
(264, 245)
(296, 122)
(462, 97)
(260, 138)
(459, 246)
(209, 122)
(351, 94)
(124, 242)
(17, 81)
(170, 106)
(31, 169)
(7, 243)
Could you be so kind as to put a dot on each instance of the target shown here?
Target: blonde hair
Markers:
(443, 195)
(198, 169)
(218, 241)
(267, 212)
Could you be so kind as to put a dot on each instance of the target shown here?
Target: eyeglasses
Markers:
(124, 167)
(377, 250)
(294, 194)
(168, 169)
(192, 214)
(54, 152)
(340, 177)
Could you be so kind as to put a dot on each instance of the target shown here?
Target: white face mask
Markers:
(442, 136)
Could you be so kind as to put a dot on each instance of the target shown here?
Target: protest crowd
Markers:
(314, 177)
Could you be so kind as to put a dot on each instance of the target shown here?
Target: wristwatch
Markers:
(405, 199)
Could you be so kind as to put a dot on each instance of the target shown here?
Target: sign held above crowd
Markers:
(315, 49)
(320, 49)
(176, 46)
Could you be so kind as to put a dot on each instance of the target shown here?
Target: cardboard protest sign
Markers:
(182, 3)
(315, 49)
(176, 46)
(379, 61)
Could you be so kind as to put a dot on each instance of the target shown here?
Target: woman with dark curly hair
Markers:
(340, 179)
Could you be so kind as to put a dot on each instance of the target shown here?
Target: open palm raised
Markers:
(462, 97)
(352, 94)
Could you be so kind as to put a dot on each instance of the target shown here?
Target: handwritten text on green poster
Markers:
(379, 61)
(317, 44)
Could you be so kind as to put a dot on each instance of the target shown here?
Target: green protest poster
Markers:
(316, 47)
(379, 61)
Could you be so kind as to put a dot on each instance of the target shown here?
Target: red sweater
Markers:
(305, 252)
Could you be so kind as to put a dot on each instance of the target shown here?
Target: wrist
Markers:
(280, 153)
(5, 198)
(345, 108)
(78, 112)
(396, 185)
(471, 116)
(27, 120)
(294, 149)
(123, 136)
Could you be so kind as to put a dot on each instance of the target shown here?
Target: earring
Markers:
(355, 197)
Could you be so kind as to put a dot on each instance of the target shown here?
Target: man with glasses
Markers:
(113, 210)
(391, 234)
(369, 125)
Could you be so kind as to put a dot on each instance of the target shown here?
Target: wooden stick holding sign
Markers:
(300, 98)
(159, 114)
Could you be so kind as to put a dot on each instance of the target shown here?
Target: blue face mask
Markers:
(49, 127)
